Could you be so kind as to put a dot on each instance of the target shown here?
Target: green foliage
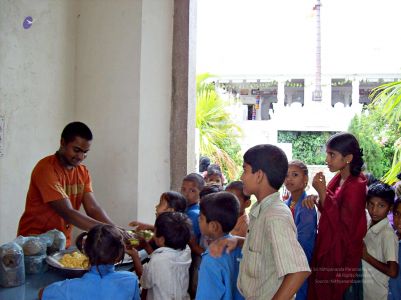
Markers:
(387, 100)
(376, 137)
(306, 146)
(218, 134)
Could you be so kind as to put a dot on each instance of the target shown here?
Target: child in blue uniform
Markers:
(169, 202)
(305, 219)
(394, 292)
(217, 277)
(104, 247)
(191, 187)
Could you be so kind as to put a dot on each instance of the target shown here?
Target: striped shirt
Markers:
(241, 227)
(271, 249)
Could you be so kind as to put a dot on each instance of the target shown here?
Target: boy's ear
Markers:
(247, 203)
(214, 226)
(260, 176)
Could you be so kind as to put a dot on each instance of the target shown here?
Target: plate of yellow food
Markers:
(70, 262)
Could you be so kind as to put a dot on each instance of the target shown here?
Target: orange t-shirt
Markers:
(51, 181)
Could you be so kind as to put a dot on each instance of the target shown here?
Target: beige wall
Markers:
(37, 69)
(105, 64)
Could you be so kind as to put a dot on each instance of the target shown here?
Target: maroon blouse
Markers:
(338, 249)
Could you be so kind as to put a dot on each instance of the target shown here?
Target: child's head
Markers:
(264, 159)
(237, 188)
(191, 186)
(297, 177)
(171, 201)
(380, 199)
(210, 189)
(204, 162)
(370, 178)
(173, 230)
(104, 245)
(218, 213)
(342, 151)
(397, 216)
(214, 175)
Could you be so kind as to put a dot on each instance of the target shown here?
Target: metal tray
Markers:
(53, 261)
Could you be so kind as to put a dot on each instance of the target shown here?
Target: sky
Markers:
(256, 37)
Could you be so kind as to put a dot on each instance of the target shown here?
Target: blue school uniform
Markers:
(394, 284)
(305, 220)
(114, 285)
(193, 212)
(218, 276)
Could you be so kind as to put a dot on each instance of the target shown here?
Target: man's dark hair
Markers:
(238, 186)
(222, 207)
(74, 129)
(271, 160)
(197, 179)
(381, 190)
(175, 227)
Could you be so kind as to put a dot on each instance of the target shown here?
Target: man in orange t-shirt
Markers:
(59, 185)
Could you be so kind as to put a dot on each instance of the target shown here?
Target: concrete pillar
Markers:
(183, 102)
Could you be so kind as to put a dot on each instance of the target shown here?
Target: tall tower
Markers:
(317, 93)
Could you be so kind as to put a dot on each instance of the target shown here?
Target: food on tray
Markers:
(75, 260)
(146, 234)
(136, 235)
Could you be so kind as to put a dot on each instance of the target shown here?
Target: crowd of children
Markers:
(207, 246)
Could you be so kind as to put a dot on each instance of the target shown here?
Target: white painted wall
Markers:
(108, 60)
(98, 61)
(155, 105)
(124, 94)
(36, 93)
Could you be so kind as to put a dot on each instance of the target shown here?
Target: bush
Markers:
(308, 146)
(376, 137)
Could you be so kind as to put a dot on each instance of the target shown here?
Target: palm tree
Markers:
(388, 97)
(218, 133)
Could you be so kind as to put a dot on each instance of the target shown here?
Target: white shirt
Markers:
(166, 275)
(381, 243)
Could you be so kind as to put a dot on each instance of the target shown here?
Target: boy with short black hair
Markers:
(191, 187)
(380, 251)
(237, 188)
(218, 276)
(166, 275)
(273, 264)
